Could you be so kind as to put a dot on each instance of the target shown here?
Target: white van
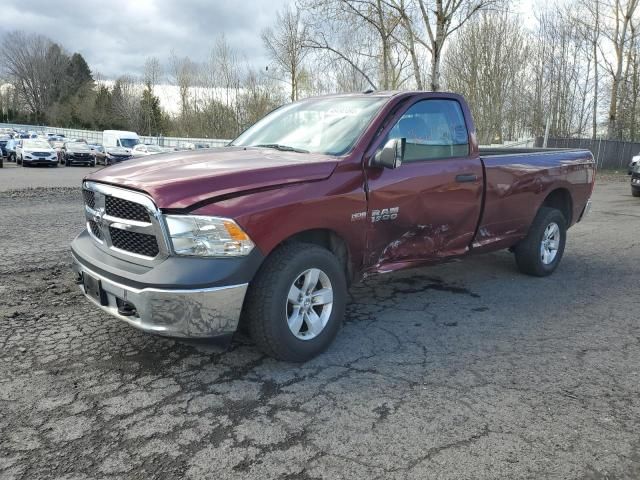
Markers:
(119, 138)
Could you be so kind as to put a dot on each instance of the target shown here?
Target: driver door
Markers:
(428, 208)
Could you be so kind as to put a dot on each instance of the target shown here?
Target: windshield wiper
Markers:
(282, 148)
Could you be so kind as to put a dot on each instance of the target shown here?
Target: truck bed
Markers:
(495, 151)
(517, 180)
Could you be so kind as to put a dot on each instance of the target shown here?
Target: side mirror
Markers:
(391, 155)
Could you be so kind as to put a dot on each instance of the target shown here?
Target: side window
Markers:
(434, 129)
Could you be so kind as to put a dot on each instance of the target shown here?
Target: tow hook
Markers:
(126, 309)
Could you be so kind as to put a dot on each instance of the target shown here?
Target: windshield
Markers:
(128, 142)
(78, 146)
(324, 125)
(36, 144)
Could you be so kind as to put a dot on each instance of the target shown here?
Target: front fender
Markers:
(272, 216)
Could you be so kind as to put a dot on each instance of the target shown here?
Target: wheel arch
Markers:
(560, 199)
(325, 238)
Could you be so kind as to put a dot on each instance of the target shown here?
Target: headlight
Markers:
(207, 236)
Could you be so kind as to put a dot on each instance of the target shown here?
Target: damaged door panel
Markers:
(429, 207)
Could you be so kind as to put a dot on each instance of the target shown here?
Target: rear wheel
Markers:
(295, 305)
(541, 251)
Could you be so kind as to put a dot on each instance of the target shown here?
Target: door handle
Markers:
(466, 177)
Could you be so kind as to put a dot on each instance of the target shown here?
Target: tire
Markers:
(19, 161)
(530, 256)
(12, 158)
(268, 311)
(635, 192)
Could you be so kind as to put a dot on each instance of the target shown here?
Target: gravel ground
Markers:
(466, 370)
(14, 176)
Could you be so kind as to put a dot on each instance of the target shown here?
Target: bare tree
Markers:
(285, 46)
(619, 32)
(152, 72)
(431, 23)
(486, 62)
(372, 28)
(183, 73)
(35, 66)
(126, 101)
(590, 29)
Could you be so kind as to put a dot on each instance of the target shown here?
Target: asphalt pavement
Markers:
(467, 370)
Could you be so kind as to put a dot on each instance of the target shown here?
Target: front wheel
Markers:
(541, 251)
(295, 305)
(635, 192)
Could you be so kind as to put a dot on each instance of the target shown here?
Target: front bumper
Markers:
(40, 161)
(194, 313)
(183, 297)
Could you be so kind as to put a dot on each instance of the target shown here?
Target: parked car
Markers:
(4, 138)
(35, 151)
(10, 147)
(142, 150)
(77, 153)
(635, 180)
(57, 146)
(317, 194)
(119, 138)
(98, 152)
(113, 155)
(635, 160)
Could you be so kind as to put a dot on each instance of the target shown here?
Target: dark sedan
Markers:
(77, 153)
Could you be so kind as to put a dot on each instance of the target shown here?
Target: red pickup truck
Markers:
(269, 232)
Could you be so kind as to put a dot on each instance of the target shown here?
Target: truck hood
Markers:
(181, 179)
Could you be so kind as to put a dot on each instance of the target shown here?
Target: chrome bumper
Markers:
(201, 313)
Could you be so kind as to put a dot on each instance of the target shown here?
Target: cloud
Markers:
(116, 36)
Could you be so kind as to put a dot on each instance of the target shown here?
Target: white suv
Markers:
(35, 151)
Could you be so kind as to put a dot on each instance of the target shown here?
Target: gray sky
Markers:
(115, 36)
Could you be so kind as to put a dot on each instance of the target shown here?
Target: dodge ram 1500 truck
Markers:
(268, 232)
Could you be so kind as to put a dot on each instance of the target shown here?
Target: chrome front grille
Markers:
(95, 230)
(121, 208)
(139, 243)
(125, 223)
(89, 198)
